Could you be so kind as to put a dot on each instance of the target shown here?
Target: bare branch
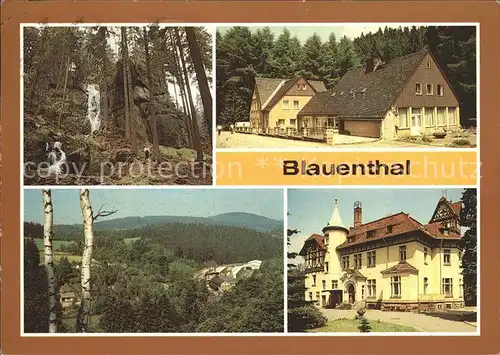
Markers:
(101, 213)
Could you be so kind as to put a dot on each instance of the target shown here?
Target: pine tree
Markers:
(468, 219)
(329, 55)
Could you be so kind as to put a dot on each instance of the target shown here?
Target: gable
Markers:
(292, 87)
(444, 211)
(427, 75)
(301, 87)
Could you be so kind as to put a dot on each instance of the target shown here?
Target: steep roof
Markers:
(366, 95)
(266, 87)
(276, 88)
(401, 267)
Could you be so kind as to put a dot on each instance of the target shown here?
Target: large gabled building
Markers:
(276, 102)
(406, 96)
(392, 263)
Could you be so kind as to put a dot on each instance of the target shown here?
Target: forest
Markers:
(243, 54)
(102, 103)
(142, 280)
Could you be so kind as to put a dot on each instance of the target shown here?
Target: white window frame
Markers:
(371, 257)
(286, 104)
(335, 284)
(396, 287)
(452, 115)
(403, 117)
(345, 261)
(403, 251)
(427, 86)
(447, 255)
(417, 86)
(441, 122)
(298, 104)
(372, 287)
(440, 89)
(323, 285)
(447, 281)
(432, 120)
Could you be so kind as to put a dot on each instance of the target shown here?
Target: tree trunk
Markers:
(132, 109)
(196, 131)
(88, 221)
(201, 76)
(152, 108)
(180, 81)
(175, 92)
(49, 264)
(59, 72)
(125, 82)
(31, 96)
(105, 109)
(64, 88)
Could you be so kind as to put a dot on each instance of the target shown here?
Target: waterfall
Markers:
(94, 107)
(56, 162)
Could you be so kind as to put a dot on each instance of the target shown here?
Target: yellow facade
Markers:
(284, 113)
(432, 282)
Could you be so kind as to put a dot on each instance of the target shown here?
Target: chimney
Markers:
(358, 216)
(370, 63)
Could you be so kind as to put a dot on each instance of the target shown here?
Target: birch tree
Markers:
(82, 321)
(49, 264)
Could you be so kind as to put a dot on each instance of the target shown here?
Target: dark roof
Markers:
(318, 85)
(385, 227)
(435, 229)
(374, 92)
(401, 267)
(315, 238)
(266, 87)
(215, 283)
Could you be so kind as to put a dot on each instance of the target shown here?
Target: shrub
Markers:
(460, 142)
(427, 139)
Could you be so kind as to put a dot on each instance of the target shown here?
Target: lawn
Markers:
(55, 243)
(57, 257)
(71, 323)
(351, 325)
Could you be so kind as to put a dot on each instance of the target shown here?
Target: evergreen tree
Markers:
(301, 314)
(468, 219)
(310, 65)
(455, 50)
(330, 72)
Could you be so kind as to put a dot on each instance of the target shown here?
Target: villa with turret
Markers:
(394, 263)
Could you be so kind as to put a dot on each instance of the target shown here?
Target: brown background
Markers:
(485, 12)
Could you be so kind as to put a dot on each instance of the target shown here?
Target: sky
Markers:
(310, 210)
(156, 202)
(303, 32)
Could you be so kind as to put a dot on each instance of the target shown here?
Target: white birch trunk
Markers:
(49, 264)
(88, 221)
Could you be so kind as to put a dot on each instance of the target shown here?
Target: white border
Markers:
(214, 26)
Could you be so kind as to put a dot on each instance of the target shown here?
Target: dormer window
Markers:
(304, 87)
(350, 239)
(371, 233)
(389, 228)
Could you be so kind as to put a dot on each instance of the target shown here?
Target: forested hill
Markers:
(235, 219)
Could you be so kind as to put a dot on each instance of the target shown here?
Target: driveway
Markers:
(420, 322)
(242, 140)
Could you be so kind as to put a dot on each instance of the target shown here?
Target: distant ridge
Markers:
(233, 219)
